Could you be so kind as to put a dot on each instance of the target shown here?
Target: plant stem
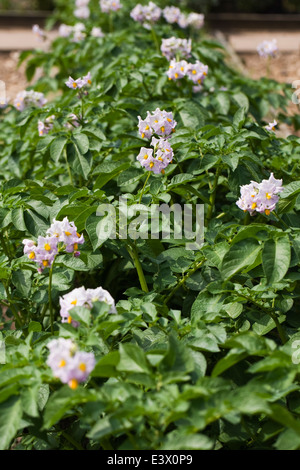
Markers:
(134, 255)
(143, 189)
(155, 39)
(280, 330)
(50, 296)
(183, 280)
(68, 167)
(212, 197)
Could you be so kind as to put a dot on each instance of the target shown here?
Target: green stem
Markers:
(155, 39)
(280, 220)
(17, 318)
(183, 280)
(143, 189)
(72, 441)
(50, 297)
(212, 197)
(4, 246)
(110, 22)
(280, 330)
(68, 167)
(135, 258)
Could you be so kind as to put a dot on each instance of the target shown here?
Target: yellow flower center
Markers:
(47, 247)
(162, 129)
(176, 75)
(267, 211)
(73, 384)
(145, 157)
(143, 135)
(82, 367)
(74, 302)
(74, 85)
(68, 234)
(163, 172)
(75, 246)
(151, 164)
(62, 363)
(32, 255)
(268, 196)
(147, 128)
(253, 205)
(194, 72)
(45, 263)
(69, 319)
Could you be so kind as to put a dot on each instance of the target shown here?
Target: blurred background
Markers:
(205, 6)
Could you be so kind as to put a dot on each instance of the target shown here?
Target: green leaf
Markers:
(10, 419)
(276, 256)
(57, 147)
(132, 359)
(239, 256)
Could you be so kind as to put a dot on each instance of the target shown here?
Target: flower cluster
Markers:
(147, 14)
(69, 364)
(61, 236)
(267, 48)
(82, 10)
(195, 72)
(260, 197)
(174, 15)
(158, 158)
(110, 5)
(173, 47)
(81, 297)
(46, 126)
(25, 99)
(76, 32)
(80, 82)
(158, 122)
(162, 124)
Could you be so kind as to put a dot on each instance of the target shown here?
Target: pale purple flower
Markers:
(46, 126)
(38, 32)
(183, 21)
(159, 122)
(172, 47)
(75, 84)
(197, 72)
(97, 32)
(260, 197)
(145, 129)
(147, 14)
(78, 31)
(29, 98)
(162, 122)
(137, 14)
(177, 70)
(87, 79)
(81, 297)
(163, 150)
(66, 233)
(267, 48)
(68, 364)
(45, 252)
(171, 14)
(110, 5)
(100, 295)
(82, 13)
(65, 31)
(195, 20)
(149, 162)
(29, 248)
(271, 126)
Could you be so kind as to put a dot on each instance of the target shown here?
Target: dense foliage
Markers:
(201, 351)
